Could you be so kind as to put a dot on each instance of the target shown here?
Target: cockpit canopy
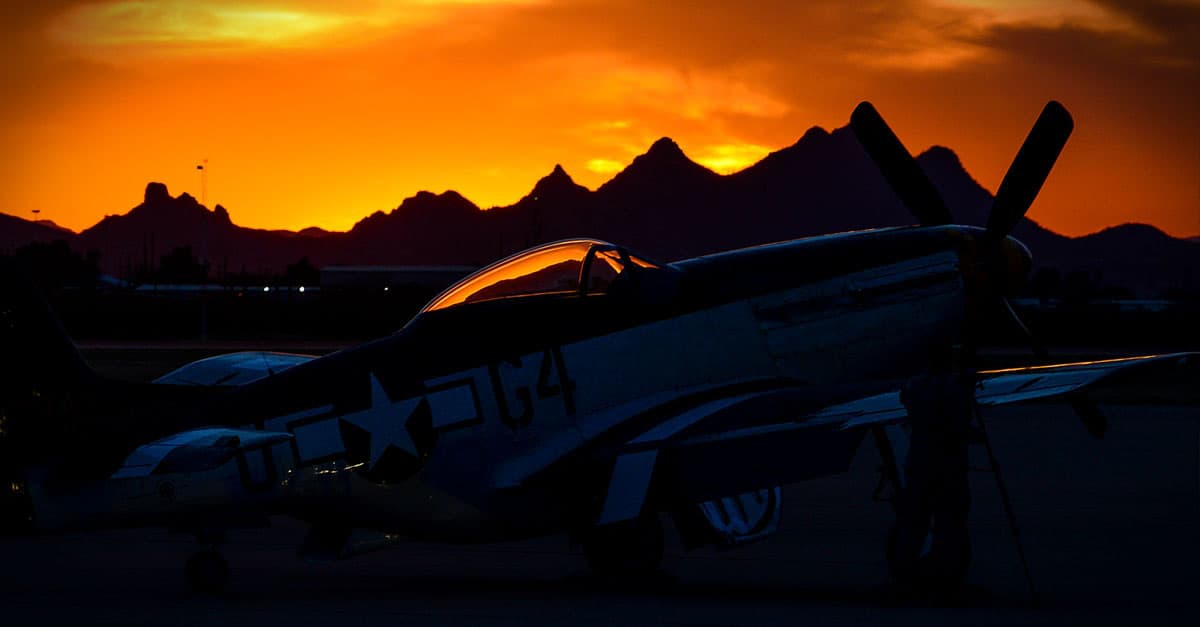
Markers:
(582, 266)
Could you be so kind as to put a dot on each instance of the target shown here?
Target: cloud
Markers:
(727, 158)
(144, 24)
(611, 79)
(605, 166)
(413, 93)
(116, 29)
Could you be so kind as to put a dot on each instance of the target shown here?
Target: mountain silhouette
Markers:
(161, 223)
(426, 228)
(1137, 256)
(663, 204)
(556, 208)
(16, 232)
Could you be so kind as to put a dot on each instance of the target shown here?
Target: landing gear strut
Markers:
(630, 548)
(929, 547)
(207, 572)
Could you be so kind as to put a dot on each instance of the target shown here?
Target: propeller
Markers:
(1000, 256)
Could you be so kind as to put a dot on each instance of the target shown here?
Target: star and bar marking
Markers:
(379, 420)
(453, 403)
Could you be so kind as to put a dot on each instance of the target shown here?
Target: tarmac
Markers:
(1110, 528)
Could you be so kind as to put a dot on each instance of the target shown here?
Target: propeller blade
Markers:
(1030, 168)
(1039, 350)
(898, 166)
(1089, 413)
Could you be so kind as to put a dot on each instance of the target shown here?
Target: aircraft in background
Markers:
(575, 387)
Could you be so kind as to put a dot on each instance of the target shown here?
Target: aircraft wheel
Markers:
(935, 568)
(629, 548)
(207, 572)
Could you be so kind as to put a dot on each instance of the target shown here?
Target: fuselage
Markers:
(479, 421)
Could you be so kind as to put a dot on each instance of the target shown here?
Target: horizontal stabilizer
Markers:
(233, 369)
(195, 451)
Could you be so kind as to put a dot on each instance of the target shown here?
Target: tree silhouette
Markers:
(54, 264)
(301, 273)
(181, 266)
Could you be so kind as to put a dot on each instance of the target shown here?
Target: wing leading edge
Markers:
(1166, 378)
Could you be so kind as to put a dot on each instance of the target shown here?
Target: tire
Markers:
(633, 548)
(207, 572)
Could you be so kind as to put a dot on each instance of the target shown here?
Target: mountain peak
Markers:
(810, 156)
(941, 156)
(222, 214)
(1132, 229)
(557, 179)
(53, 225)
(427, 202)
(665, 147)
(815, 133)
(156, 193)
(663, 153)
(556, 186)
(663, 171)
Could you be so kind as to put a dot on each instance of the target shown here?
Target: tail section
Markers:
(42, 379)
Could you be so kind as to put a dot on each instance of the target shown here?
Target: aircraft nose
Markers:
(1017, 262)
(999, 266)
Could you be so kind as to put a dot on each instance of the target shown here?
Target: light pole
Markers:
(202, 256)
(203, 167)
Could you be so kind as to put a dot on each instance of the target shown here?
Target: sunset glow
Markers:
(318, 112)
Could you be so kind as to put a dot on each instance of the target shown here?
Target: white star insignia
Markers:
(385, 420)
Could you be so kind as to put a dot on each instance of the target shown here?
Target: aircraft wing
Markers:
(1160, 378)
(744, 442)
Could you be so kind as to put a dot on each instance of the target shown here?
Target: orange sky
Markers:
(321, 112)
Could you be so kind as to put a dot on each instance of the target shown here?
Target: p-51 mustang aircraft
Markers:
(575, 387)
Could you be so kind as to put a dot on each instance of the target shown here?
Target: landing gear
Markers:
(929, 560)
(631, 548)
(207, 572)
(929, 548)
